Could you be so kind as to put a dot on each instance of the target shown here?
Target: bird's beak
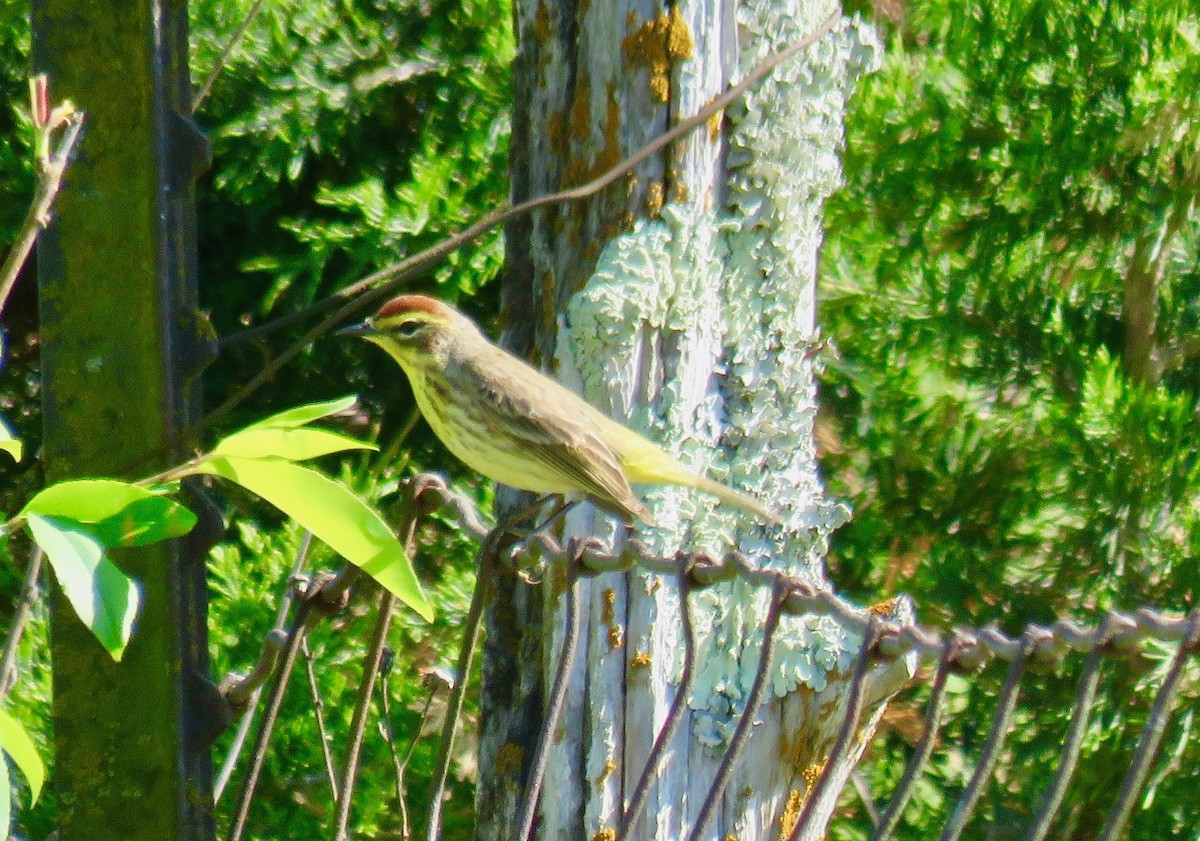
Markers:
(361, 329)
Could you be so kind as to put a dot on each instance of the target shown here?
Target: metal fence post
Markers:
(120, 357)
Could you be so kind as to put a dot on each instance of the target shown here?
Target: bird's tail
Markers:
(645, 462)
(733, 497)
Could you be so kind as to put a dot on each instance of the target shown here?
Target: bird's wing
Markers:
(556, 427)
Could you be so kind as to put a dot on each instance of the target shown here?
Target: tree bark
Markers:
(682, 302)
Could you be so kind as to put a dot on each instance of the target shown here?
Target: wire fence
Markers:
(962, 650)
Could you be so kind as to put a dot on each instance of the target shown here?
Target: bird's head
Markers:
(418, 332)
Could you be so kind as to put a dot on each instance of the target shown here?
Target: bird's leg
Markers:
(562, 507)
(509, 524)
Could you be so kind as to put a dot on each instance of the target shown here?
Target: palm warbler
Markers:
(512, 423)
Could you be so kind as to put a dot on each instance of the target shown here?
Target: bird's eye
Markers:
(409, 328)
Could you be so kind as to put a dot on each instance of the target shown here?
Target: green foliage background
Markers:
(1016, 174)
(1015, 449)
(345, 136)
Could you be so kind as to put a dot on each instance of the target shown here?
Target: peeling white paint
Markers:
(740, 284)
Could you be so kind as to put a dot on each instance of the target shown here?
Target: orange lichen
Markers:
(641, 660)
(714, 126)
(556, 132)
(608, 768)
(679, 189)
(609, 598)
(509, 759)
(791, 812)
(615, 637)
(541, 22)
(657, 45)
(883, 608)
(654, 199)
(579, 169)
(581, 110)
(606, 834)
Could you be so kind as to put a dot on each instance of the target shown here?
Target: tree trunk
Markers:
(681, 301)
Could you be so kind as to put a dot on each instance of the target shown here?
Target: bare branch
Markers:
(233, 44)
(50, 169)
(12, 645)
(319, 713)
(362, 709)
(285, 605)
(358, 296)
(557, 700)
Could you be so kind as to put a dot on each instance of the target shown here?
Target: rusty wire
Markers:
(885, 639)
(855, 697)
(962, 649)
(934, 710)
(637, 801)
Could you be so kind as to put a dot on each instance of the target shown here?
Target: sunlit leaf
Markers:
(5, 800)
(17, 744)
(105, 598)
(9, 442)
(301, 415)
(286, 443)
(332, 513)
(117, 513)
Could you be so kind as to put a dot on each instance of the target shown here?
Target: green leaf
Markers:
(105, 598)
(332, 513)
(9, 442)
(5, 801)
(116, 513)
(289, 444)
(301, 415)
(17, 744)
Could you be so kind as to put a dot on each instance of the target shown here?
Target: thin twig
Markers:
(319, 713)
(299, 628)
(483, 580)
(637, 801)
(742, 733)
(372, 663)
(863, 789)
(362, 709)
(285, 605)
(219, 65)
(12, 645)
(50, 169)
(356, 297)
(388, 732)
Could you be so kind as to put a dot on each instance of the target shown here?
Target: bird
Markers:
(514, 424)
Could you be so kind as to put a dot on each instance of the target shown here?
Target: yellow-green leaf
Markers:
(332, 513)
(105, 598)
(286, 443)
(117, 513)
(9, 442)
(5, 801)
(17, 744)
(301, 415)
